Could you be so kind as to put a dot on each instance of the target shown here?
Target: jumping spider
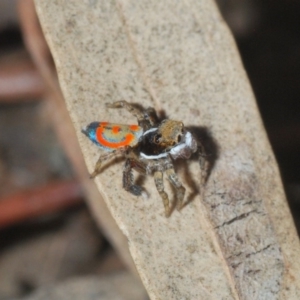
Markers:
(149, 147)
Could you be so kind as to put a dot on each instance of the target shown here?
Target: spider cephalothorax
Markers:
(149, 147)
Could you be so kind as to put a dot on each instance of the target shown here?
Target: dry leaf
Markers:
(238, 240)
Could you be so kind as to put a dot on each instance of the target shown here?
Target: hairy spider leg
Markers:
(146, 118)
(128, 176)
(180, 189)
(158, 179)
(102, 158)
(203, 162)
(150, 118)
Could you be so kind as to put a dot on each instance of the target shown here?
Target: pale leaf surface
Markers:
(237, 240)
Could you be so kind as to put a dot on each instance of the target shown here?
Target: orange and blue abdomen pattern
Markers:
(110, 136)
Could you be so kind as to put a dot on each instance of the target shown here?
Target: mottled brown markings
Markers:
(248, 242)
(253, 272)
(249, 254)
(237, 218)
(259, 251)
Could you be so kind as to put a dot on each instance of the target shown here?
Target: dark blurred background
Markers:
(35, 170)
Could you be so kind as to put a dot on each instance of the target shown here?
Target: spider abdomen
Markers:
(111, 136)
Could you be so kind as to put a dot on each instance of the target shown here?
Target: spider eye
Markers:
(157, 138)
(179, 139)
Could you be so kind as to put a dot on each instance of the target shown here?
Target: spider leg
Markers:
(151, 117)
(203, 163)
(128, 178)
(158, 179)
(129, 107)
(146, 118)
(102, 158)
(180, 189)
